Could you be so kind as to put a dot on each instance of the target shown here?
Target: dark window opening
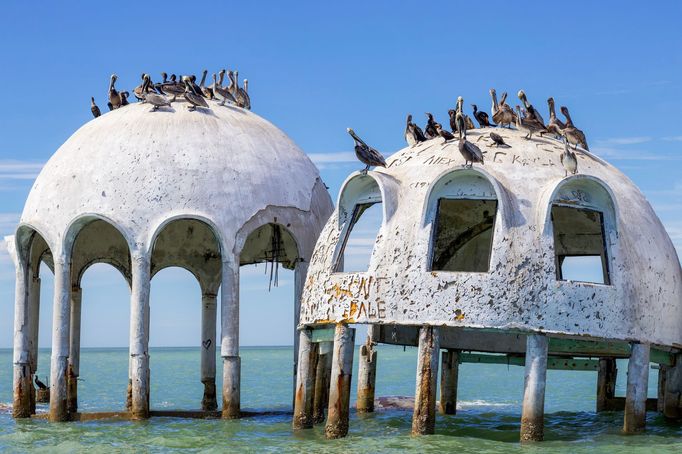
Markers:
(359, 238)
(579, 245)
(463, 235)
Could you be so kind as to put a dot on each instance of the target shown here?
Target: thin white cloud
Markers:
(624, 140)
(673, 138)
(19, 170)
(8, 223)
(611, 153)
(335, 157)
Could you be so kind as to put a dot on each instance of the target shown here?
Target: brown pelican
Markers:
(153, 98)
(445, 134)
(114, 96)
(569, 159)
(171, 86)
(138, 91)
(94, 109)
(413, 133)
(191, 97)
(574, 135)
(222, 92)
(498, 140)
(502, 113)
(482, 117)
(207, 91)
(246, 86)
(555, 125)
(532, 113)
(231, 86)
(469, 151)
(240, 94)
(39, 383)
(529, 126)
(124, 98)
(430, 129)
(195, 88)
(366, 154)
(460, 108)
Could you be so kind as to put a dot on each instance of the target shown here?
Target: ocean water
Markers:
(487, 420)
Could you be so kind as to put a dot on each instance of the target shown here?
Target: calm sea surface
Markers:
(487, 419)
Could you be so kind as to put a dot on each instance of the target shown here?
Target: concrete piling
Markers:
(305, 381)
(22, 377)
(606, 383)
(672, 396)
(533, 412)
(636, 393)
(660, 394)
(322, 381)
(209, 309)
(339, 391)
(367, 370)
(424, 415)
(74, 350)
(448, 382)
(33, 320)
(229, 345)
(61, 318)
(139, 337)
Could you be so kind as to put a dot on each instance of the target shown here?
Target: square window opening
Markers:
(579, 245)
(463, 235)
(359, 238)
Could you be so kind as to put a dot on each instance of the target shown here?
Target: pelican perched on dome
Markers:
(153, 98)
(138, 91)
(469, 151)
(124, 98)
(114, 96)
(246, 86)
(498, 140)
(502, 113)
(93, 108)
(555, 125)
(569, 159)
(468, 123)
(482, 117)
(191, 97)
(574, 135)
(222, 92)
(240, 94)
(207, 91)
(366, 154)
(528, 125)
(413, 133)
(445, 134)
(533, 114)
(430, 129)
(171, 86)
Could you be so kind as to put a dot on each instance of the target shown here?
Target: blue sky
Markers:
(315, 68)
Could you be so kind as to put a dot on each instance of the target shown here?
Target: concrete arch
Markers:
(372, 186)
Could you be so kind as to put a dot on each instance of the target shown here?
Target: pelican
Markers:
(93, 108)
(191, 97)
(555, 125)
(240, 94)
(574, 135)
(498, 140)
(469, 151)
(482, 117)
(529, 126)
(532, 113)
(221, 92)
(430, 129)
(445, 134)
(207, 91)
(502, 113)
(124, 98)
(39, 383)
(153, 98)
(366, 154)
(569, 159)
(246, 86)
(138, 91)
(114, 96)
(170, 87)
(460, 108)
(413, 133)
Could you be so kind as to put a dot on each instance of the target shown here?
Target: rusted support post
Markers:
(33, 321)
(448, 382)
(300, 273)
(74, 350)
(424, 415)
(139, 337)
(367, 372)
(322, 376)
(305, 381)
(209, 310)
(533, 412)
(339, 391)
(672, 402)
(660, 395)
(229, 345)
(606, 382)
(61, 318)
(22, 380)
(636, 393)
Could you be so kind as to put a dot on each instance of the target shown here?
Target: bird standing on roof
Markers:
(555, 125)
(153, 98)
(445, 134)
(430, 129)
(114, 96)
(498, 140)
(528, 125)
(502, 113)
(207, 91)
(366, 154)
(482, 117)
(39, 383)
(413, 133)
(93, 108)
(221, 92)
(569, 159)
(533, 114)
(574, 135)
(469, 151)
(191, 97)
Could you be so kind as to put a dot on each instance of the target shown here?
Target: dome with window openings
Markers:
(514, 245)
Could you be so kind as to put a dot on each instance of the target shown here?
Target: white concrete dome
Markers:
(509, 274)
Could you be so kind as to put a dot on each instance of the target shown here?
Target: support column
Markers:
(636, 394)
(533, 412)
(305, 381)
(660, 395)
(448, 382)
(672, 403)
(22, 383)
(209, 309)
(367, 371)
(339, 391)
(322, 377)
(33, 322)
(300, 274)
(74, 350)
(606, 383)
(424, 415)
(139, 337)
(229, 346)
(61, 318)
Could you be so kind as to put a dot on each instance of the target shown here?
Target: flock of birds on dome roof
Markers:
(163, 93)
(526, 119)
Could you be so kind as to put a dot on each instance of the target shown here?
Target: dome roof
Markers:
(518, 283)
(137, 169)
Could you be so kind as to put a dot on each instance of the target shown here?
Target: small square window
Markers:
(359, 238)
(463, 235)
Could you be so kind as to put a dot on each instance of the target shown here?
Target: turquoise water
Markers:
(487, 419)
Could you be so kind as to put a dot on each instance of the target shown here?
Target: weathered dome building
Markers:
(513, 257)
(207, 191)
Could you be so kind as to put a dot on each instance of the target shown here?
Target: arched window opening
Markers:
(579, 246)
(463, 208)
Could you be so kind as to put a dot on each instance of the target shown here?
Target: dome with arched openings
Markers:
(514, 245)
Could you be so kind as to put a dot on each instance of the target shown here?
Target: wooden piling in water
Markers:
(606, 382)
(533, 412)
(322, 381)
(305, 381)
(672, 396)
(636, 393)
(61, 318)
(424, 415)
(367, 370)
(74, 350)
(448, 382)
(339, 391)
